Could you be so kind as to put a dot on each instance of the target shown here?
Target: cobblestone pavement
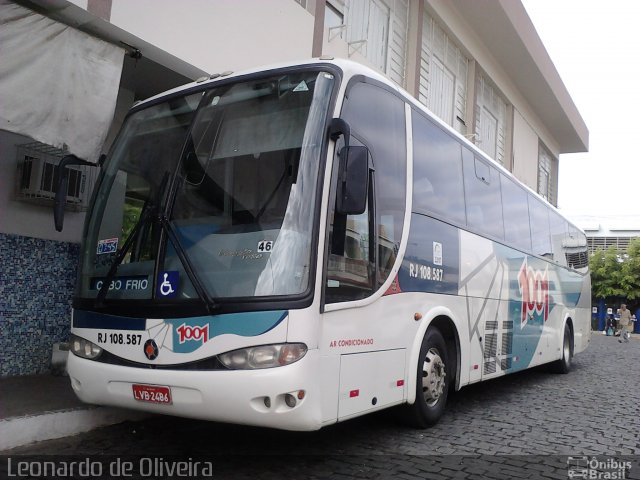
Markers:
(525, 425)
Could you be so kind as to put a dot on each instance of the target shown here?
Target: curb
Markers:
(20, 431)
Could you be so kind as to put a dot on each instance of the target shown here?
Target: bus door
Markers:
(362, 249)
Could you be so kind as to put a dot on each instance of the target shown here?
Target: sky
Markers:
(595, 46)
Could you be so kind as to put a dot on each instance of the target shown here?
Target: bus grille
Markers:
(210, 363)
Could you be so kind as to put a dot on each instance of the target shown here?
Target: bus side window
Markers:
(516, 214)
(437, 171)
(482, 196)
(540, 232)
(350, 266)
(385, 137)
(559, 234)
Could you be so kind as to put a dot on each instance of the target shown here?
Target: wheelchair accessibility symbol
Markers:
(167, 284)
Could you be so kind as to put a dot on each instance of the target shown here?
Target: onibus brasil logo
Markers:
(534, 288)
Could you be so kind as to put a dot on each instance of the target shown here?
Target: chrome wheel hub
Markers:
(433, 377)
(566, 350)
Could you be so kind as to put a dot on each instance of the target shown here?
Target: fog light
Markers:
(267, 402)
(290, 400)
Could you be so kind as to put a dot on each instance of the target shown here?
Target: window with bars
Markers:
(547, 175)
(620, 243)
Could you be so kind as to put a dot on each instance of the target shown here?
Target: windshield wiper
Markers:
(145, 216)
(150, 213)
(166, 225)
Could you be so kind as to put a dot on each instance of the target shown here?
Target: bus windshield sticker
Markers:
(437, 253)
(168, 284)
(109, 245)
(301, 87)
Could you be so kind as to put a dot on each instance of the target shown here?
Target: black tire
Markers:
(564, 364)
(432, 382)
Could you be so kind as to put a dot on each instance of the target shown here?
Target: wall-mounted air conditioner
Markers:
(37, 178)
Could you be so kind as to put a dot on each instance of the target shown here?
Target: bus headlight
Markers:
(264, 356)
(84, 348)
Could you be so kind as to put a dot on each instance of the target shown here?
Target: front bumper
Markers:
(236, 396)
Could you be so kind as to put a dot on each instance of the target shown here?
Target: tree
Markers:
(630, 278)
(614, 274)
(605, 273)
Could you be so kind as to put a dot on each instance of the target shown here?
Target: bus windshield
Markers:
(212, 191)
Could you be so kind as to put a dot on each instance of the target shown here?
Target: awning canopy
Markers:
(58, 85)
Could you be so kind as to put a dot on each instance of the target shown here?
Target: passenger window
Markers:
(516, 214)
(540, 233)
(559, 233)
(482, 196)
(437, 172)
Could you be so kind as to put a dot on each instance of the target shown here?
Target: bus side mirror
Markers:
(354, 180)
(63, 185)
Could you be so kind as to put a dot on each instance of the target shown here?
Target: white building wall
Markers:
(220, 35)
(476, 49)
(525, 152)
(81, 3)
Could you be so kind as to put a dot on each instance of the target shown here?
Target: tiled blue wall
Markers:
(36, 285)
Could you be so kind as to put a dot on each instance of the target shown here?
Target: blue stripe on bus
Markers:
(83, 319)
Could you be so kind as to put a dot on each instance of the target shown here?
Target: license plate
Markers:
(152, 394)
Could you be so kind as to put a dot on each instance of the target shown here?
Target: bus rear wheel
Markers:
(432, 382)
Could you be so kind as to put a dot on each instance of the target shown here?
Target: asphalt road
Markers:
(532, 424)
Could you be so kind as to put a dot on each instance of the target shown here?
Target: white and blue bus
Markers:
(300, 245)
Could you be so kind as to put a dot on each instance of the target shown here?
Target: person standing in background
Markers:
(625, 321)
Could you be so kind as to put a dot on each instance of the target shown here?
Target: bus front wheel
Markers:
(433, 378)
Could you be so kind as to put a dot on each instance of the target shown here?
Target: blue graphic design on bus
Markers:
(531, 303)
(84, 319)
(189, 334)
(534, 290)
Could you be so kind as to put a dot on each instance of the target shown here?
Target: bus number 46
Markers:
(265, 246)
